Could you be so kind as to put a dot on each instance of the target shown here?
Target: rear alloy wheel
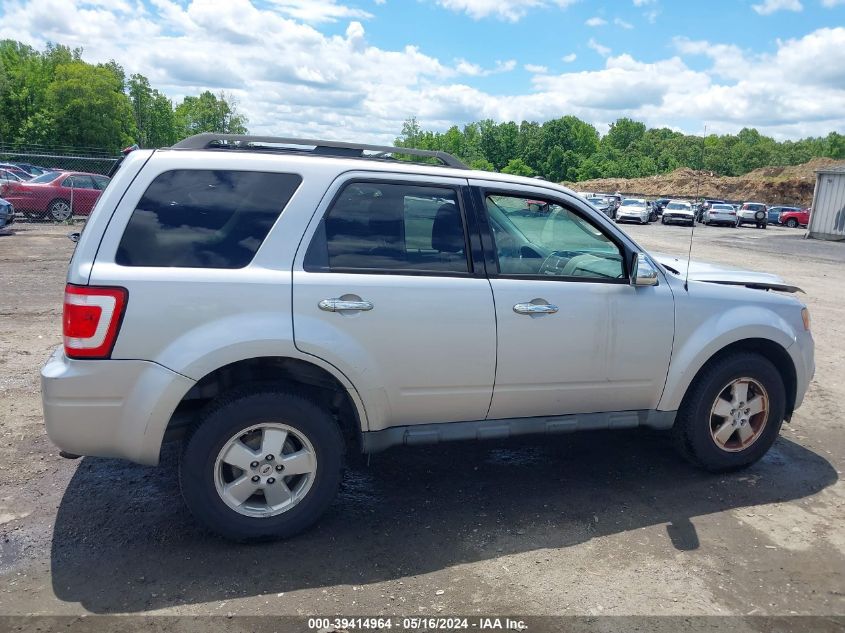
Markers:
(732, 413)
(792, 223)
(59, 211)
(261, 464)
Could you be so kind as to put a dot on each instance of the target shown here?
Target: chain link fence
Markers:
(53, 184)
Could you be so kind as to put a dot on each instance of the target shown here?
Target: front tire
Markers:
(261, 464)
(732, 413)
(792, 223)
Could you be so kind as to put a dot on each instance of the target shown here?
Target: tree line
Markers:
(53, 98)
(569, 149)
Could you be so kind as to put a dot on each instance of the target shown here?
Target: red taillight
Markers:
(91, 320)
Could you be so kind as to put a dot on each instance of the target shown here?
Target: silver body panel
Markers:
(432, 350)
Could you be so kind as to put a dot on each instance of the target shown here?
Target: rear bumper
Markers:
(109, 408)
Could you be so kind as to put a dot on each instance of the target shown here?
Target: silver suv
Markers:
(274, 304)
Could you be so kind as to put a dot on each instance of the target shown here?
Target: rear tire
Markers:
(59, 211)
(792, 223)
(232, 422)
(697, 427)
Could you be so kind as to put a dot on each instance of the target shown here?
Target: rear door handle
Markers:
(344, 305)
(535, 308)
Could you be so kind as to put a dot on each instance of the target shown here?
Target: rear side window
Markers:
(202, 218)
(390, 227)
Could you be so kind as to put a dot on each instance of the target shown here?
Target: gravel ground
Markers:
(590, 524)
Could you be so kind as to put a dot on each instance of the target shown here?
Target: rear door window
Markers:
(200, 218)
(391, 227)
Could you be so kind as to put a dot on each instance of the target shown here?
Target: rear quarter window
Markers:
(204, 218)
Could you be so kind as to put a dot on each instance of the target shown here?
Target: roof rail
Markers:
(323, 148)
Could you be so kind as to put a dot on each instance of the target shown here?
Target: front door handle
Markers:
(535, 308)
(344, 305)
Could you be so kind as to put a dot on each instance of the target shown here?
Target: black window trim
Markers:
(472, 247)
(490, 243)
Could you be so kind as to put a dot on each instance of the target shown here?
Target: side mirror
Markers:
(642, 271)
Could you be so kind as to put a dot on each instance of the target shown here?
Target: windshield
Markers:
(632, 202)
(722, 207)
(49, 176)
(680, 206)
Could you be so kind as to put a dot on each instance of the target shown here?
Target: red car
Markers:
(794, 219)
(56, 195)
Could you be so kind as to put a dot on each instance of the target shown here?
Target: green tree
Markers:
(89, 107)
(517, 167)
(209, 113)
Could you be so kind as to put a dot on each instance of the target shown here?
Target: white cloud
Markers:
(292, 79)
(767, 7)
(644, 3)
(604, 51)
(622, 24)
(832, 3)
(509, 10)
(464, 67)
(316, 11)
(596, 21)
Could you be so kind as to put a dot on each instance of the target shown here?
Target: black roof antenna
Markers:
(695, 213)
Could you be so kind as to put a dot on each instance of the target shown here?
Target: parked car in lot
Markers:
(20, 173)
(7, 213)
(9, 176)
(274, 307)
(795, 218)
(720, 213)
(774, 213)
(55, 195)
(603, 204)
(660, 204)
(678, 212)
(633, 210)
(755, 213)
(29, 168)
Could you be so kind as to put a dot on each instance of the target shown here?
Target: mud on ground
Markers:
(597, 523)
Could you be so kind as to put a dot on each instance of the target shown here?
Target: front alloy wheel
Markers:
(739, 414)
(732, 412)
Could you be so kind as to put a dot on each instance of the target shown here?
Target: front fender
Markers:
(696, 342)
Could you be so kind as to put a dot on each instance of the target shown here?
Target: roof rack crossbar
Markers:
(209, 140)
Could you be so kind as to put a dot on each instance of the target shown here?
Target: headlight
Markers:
(805, 316)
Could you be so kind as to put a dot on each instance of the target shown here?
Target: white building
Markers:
(827, 219)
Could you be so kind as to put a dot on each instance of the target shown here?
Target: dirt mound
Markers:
(792, 185)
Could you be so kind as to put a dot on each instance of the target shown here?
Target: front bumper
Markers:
(802, 353)
(109, 408)
(681, 219)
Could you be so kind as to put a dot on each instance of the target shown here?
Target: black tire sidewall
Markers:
(692, 427)
(223, 420)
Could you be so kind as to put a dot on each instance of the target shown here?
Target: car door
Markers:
(385, 289)
(573, 335)
(82, 193)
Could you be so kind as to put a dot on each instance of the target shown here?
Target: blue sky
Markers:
(356, 69)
